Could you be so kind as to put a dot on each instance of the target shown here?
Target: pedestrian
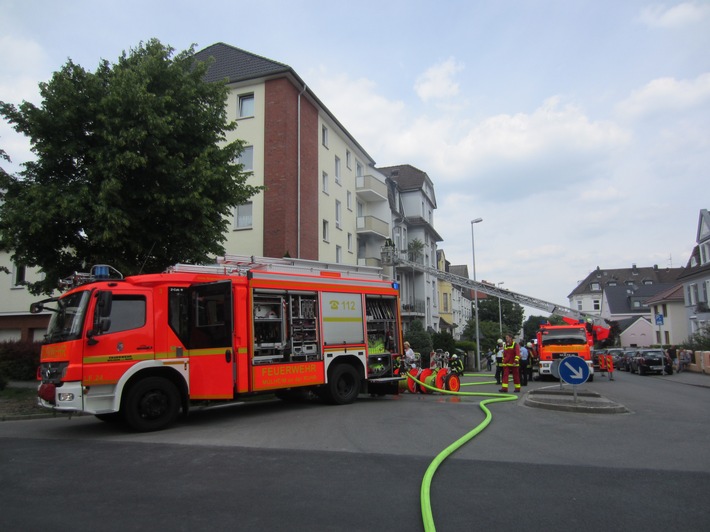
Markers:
(409, 355)
(531, 360)
(523, 369)
(489, 359)
(684, 360)
(673, 353)
(499, 360)
(511, 362)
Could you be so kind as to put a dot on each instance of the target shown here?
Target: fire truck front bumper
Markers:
(65, 398)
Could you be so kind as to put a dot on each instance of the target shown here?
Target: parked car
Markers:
(625, 360)
(651, 361)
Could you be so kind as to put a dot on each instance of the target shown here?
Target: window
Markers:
(326, 236)
(246, 105)
(665, 310)
(358, 169)
(127, 312)
(337, 169)
(349, 201)
(445, 297)
(338, 214)
(246, 159)
(243, 216)
(579, 304)
(338, 254)
(324, 136)
(18, 277)
(350, 242)
(348, 159)
(597, 305)
(325, 182)
(595, 287)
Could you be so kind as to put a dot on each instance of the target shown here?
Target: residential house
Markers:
(323, 200)
(412, 203)
(590, 294)
(696, 278)
(462, 301)
(667, 315)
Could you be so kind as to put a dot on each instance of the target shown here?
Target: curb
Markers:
(564, 400)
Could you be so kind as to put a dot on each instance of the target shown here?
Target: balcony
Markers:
(372, 225)
(369, 261)
(370, 189)
(416, 308)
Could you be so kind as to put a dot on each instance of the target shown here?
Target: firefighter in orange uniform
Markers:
(511, 362)
(610, 366)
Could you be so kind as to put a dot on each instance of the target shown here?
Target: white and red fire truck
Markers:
(144, 348)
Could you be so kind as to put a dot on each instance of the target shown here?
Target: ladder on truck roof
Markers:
(495, 291)
(243, 264)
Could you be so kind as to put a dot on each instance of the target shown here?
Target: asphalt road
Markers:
(276, 466)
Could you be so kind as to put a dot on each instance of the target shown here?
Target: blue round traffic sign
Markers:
(574, 370)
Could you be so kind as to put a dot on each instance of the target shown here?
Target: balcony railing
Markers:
(371, 224)
(370, 189)
(418, 307)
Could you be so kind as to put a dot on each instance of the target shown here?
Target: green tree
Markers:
(418, 338)
(444, 341)
(510, 312)
(132, 168)
(532, 324)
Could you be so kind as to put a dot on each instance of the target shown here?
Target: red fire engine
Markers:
(145, 347)
(554, 342)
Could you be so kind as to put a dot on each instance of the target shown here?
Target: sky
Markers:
(579, 131)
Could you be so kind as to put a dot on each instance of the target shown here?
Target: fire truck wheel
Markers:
(152, 404)
(343, 385)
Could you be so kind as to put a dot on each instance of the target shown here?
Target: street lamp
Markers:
(475, 296)
(500, 314)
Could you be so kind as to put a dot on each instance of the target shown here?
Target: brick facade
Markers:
(281, 172)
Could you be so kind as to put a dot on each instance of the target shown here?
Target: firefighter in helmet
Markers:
(511, 363)
(456, 364)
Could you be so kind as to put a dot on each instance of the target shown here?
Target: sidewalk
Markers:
(552, 398)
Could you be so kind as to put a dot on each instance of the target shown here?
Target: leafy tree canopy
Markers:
(419, 339)
(132, 168)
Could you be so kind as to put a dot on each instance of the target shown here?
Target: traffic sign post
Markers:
(574, 370)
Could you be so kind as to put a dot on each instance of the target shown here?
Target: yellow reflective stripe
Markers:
(123, 357)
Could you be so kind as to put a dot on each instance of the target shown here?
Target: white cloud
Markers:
(666, 94)
(678, 16)
(437, 82)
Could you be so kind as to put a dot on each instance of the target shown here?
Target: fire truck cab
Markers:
(554, 342)
(144, 348)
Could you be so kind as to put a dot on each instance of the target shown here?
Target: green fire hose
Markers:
(427, 518)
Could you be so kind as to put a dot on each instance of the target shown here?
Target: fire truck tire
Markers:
(343, 385)
(152, 403)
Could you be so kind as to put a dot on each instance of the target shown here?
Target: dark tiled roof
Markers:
(619, 298)
(675, 293)
(406, 176)
(621, 276)
(234, 64)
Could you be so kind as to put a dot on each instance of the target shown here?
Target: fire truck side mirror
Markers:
(101, 322)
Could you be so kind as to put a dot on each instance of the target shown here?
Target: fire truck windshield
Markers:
(564, 337)
(68, 319)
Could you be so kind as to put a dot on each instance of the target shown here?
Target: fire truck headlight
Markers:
(65, 396)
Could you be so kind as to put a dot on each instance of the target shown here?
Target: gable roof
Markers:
(674, 293)
(620, 299)
(409, 178)
(234, 64)
(651, 275)
(695, 267)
